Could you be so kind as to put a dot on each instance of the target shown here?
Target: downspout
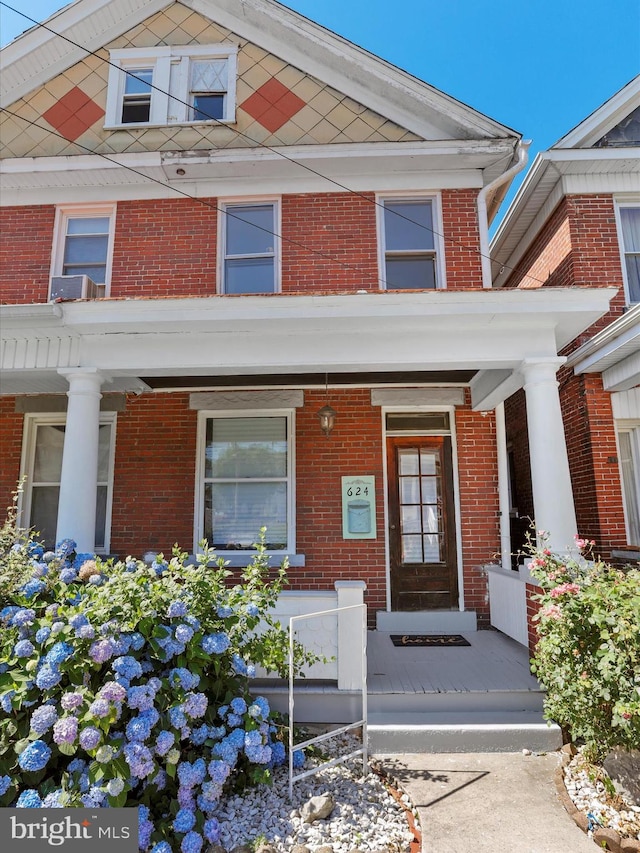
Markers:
(483, 217)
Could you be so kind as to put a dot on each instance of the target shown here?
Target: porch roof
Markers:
(487, 332)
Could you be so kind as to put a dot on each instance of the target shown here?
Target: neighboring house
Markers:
(576, 222)
(220, 218)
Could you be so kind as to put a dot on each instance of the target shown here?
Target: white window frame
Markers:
(435, 199)
(30, 430)
(203, 416)
(170, 69)
(258, 201)
(633, 428)
(629, 201)
(76, 211)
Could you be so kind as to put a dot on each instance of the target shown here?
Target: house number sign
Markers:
(358, 507)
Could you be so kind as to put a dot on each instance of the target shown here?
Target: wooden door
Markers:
(422, 542)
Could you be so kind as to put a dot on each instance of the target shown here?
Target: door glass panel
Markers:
(430, 519)
(429, 462)
(431, 549)
(411, 519)
(408, 462)
(410, 490)
(429, 490)
(412, 549)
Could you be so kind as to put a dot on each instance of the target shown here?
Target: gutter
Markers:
(483, 218)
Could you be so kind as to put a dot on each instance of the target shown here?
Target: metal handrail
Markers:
(327, 735)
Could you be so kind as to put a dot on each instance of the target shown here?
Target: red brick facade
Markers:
(578, 246)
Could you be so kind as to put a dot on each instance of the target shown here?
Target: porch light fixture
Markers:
(327, 415)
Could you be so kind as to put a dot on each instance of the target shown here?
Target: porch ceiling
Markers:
(292, 337)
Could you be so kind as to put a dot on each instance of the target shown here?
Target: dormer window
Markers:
(172, 85)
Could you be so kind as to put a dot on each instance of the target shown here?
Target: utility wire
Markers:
(257, 144)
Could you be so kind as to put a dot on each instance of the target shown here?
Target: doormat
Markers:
(429, 640)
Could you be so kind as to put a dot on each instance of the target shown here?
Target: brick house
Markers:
(218, 223)
(575, 222)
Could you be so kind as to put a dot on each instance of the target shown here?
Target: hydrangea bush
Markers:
(588, 651)
(127, 684)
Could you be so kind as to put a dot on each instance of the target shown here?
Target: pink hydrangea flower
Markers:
(551, 611)
(564, 588)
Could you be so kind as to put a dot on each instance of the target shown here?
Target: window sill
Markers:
(241, 559)
(169, 124)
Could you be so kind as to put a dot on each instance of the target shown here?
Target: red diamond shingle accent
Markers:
(74, 113)
(272, 105)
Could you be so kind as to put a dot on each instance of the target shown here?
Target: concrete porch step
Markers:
(426, 621)
(489, 731)
(456, 701)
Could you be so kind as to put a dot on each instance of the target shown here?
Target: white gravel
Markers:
(365, 817)
(588, 793)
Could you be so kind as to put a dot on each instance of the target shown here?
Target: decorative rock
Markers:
(623, 766)
(300, 848)
(324, 849)
(242, 848)
(318, 808)
(266, 848)
(215, 848)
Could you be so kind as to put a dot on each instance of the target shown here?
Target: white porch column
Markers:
(79, 477)
(350, 639)
(550, 478)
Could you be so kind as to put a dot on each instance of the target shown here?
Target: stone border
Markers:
(394, 787)
(605, 839)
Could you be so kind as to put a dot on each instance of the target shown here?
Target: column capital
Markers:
(84, 380)
(541, 369)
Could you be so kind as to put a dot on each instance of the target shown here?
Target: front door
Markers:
(422, 541)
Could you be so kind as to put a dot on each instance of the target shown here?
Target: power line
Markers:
(256, 143)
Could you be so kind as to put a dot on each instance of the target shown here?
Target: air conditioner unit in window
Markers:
(74, 287)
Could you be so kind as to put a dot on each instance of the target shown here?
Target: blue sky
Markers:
(539, 67)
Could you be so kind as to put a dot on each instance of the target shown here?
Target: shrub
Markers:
(125, 684)
(588, 652)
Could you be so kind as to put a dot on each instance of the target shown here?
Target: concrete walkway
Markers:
(487, 802)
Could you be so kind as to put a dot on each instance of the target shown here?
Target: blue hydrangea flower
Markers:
(115, 787)
(252, 609)
(137, 641)
(128, 667)
(43, 718)
(164, 742)
(298, 758)
(33, 587)
(177, 717)
(65, 730)
(113, 692)
(212, 830)
(253, 738)
(234, 720)
(53, 800)
(94, 798)
(71, 701)
(238, 705)
(183, 633)
(5, 783)
(29, 799)
(192, 843)
(219, 771)
(161, 847)
(48, 677)
(177, 609)
(199, 735)
(195, 705)
(139, 759)
(184, 820)
(69, 575)
(236, 738)
(35, 757)
(215, 644)
(131, 566)
(138, 729)
(159, 567)
(64, 548)
(278, 752)
(145, 828)
(101, 651)
(42, 634)
(23, 616)
(35, 549)
(259, 708)
(90, 737)
(140, 697)
(226, 752)
(238, 665)
(78, 620)
(100, 707)
(187, 680)
(56, 628)
(224, 611)
(23, 649)
(258, 754)
(7, 613)
(58, 653)
(86, 632)
(40, 569)
(191, 775)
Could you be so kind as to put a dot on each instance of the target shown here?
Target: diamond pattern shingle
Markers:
(73, 114)
(272, 105)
